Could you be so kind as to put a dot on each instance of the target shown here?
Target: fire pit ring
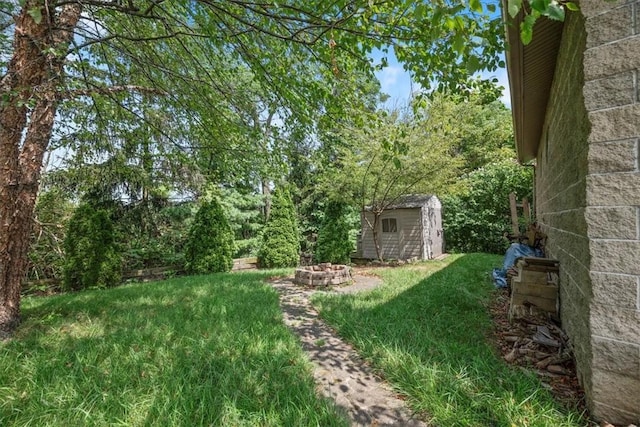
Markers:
(323, 274)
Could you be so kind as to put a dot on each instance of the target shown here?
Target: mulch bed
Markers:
(536, 342)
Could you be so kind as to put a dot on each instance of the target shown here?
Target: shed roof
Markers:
(411, 201)
(531, 69)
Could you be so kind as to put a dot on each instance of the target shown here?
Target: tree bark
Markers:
(29, 90)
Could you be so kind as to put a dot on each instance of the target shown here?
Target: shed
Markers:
(410, 228)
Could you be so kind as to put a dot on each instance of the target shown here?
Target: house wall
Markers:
(611, 64)
(405, 244)
(588, 200)
(561, 169)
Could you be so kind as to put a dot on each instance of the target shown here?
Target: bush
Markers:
(244, 212)
(210, 245)
(156, 236)
(91, 252)
(280, 238)
(475, 220)
(334, 244)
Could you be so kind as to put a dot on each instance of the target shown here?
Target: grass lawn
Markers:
(203, 350)
(427, 331)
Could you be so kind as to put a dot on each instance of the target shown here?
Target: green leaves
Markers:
(475, 6)
(280, 238)
(513, 7)
(572, 6)
(36, 14)
(555, 11)
(210, 246)
(552, 9)
(526, 28)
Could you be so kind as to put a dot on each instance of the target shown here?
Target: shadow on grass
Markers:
(429, 336)
(202, 350)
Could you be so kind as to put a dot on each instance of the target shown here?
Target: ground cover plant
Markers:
(427, 330)
(191, 351)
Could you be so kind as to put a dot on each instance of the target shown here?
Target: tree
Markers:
(476, 219)
(92, 258)
(66, 52)
(210, 247)
(243, 209)
(388, 157)
(280, 237)
(334, 236)
(480, 132)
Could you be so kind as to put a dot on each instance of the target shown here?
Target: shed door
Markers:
(390, 238)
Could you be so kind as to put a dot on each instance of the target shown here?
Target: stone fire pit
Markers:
(322, 275)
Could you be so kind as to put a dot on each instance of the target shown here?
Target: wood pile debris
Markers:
(535, 342)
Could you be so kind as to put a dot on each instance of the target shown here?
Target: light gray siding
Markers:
(418, 230)
(404, 244)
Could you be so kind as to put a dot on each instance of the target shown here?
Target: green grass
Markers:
(202, 350)
(427, 331)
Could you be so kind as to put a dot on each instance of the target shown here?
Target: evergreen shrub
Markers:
(334, 244)
(210, 245)
(280, 237)
(92, 258)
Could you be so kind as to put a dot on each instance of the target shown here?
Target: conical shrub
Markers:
(280, 237)
(210, 245)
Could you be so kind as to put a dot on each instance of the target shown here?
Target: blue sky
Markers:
(396, 82)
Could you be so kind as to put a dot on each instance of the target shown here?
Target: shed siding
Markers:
(411, 234)
(404, 244)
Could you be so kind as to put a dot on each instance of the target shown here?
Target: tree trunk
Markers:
(33, 78)
(266, 192)
(376, 235)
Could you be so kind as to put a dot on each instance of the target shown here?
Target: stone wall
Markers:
(588, 200)
(612, 98)
(561, 197)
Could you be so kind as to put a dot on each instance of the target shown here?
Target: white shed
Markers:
(409, 229)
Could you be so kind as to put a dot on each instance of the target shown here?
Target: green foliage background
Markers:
(475, 219)
(281, 236)
(46, 257)
(210, 246)
(92, 255)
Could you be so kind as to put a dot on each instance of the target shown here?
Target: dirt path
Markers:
(338, 369)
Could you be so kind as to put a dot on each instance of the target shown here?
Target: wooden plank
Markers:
(514, 214)
(249, 260)
(147, 272)
(545, 304)
(534, 290)
(543, 268)
(540, 261)
(526, 212)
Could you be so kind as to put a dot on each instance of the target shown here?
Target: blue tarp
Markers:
(515, 251)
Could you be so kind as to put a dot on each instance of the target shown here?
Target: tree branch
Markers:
(111, 90)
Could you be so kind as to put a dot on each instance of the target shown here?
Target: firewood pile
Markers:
(534, 341)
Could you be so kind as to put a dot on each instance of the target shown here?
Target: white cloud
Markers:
(389, 77)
